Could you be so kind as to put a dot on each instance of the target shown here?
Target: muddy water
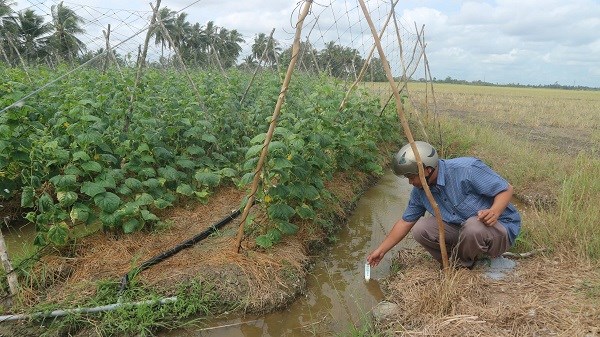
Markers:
(338, 297)
(19, 240)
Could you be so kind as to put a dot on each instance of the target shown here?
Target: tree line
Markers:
(26, 39)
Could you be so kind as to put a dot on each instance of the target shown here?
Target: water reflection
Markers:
(338, 296)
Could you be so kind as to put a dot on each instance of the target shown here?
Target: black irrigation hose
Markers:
(186, 244)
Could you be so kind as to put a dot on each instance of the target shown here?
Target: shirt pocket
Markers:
(469, 206)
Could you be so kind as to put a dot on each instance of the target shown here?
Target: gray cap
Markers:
(405, 162)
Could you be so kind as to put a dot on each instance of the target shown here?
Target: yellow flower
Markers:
(66, 124)
(289, 157)
(268, 199)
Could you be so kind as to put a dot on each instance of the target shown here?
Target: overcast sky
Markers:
(500, 41)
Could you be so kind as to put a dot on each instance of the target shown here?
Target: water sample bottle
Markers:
(367, 272)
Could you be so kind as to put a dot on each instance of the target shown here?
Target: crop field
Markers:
(79, 155)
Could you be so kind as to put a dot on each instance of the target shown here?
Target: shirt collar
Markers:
(441, 176)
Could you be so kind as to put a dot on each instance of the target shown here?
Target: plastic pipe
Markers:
(102, 308)
(186, 244)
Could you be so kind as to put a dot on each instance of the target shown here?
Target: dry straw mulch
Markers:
(542, 296)
(260, 280)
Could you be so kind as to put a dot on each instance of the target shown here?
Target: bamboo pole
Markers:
(257, 67)
(11, 276)
(179, 58)
(393, 11)
(407, 77)
(273, 124)
(110, 55)
(366, 64)
(141, 65)
(11, 43)
(409, 136)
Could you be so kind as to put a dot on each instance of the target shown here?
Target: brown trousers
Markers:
(464, 243)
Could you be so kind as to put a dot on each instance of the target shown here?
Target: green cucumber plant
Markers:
(69, 158)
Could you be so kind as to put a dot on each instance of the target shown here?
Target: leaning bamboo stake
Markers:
(400, 43)
(11, 43)
(257, 67)
(179, 58)
(276, 113)
(11, 276)
(110, 55)
(414, 69)
(368, 60)
(141, 64)
(408, 133)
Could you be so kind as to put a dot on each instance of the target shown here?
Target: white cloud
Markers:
(464, 38)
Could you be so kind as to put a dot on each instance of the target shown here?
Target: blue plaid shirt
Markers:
(464, 186)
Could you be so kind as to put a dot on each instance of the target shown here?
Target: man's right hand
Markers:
(375, 257)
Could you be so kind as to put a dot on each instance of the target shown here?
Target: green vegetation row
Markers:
(69, 156)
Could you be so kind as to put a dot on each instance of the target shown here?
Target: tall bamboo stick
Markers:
(276, 113)
(409, 136)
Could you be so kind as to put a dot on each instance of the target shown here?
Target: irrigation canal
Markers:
(338, 297)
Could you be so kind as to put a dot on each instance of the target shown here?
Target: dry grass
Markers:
(544, 296)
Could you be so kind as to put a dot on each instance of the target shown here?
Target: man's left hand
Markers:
(488, 216)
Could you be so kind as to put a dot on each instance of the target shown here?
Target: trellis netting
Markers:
(109, 114)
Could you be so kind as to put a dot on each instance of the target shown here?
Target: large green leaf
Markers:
(254, 150)
(131, 225)
(280, 211)
(92, 189)
(161, 203)
(79, 213)
(64, 181)
(80, 155)
(185, 189)
(109, 220)
(306, 212)
(287, 228)
(208, 178)
(108, 202)
(259, 139)
(133, 184)
(27, 195)
(151, 183)
(91, 166)
(58, 233)
(185, 163)
(209, 138)
(264, 241)
(66, 199)
(144, 199)
(148, 216)
(280, 163)
(45, 203)
(277, 146)
(169, 173)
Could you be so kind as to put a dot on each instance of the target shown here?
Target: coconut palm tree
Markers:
(181, 30)
(231, 48)
(165, 16)
(66, 24)
(32, 34)
(6, 29)
(265, 49)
